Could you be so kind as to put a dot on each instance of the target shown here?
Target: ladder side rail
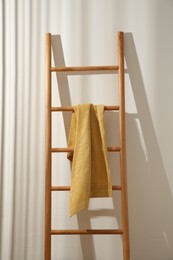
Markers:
(124, 201)
(48, 144)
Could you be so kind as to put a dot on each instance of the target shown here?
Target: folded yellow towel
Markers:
(90, 169)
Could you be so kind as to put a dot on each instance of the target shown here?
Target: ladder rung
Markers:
(55, 109)
(87, 232)
(65, 150)
(67, 188)
(83, 68)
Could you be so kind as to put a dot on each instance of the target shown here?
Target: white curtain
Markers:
(87, 32)
(22, 129)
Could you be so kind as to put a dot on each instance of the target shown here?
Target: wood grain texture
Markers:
(60, 109)
(67, 188)
(84, 68)
(66, 150)
(48, 141)
(124, 201)
(87, 232)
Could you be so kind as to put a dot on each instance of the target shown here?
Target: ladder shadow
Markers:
(150, 200)
(87, 242)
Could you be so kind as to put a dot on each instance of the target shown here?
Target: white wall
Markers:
(86, 30)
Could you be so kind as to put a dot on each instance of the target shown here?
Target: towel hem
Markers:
(81, 206)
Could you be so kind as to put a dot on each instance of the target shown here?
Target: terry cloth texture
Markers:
(90, 169)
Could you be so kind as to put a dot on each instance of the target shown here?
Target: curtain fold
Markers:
(8, 126)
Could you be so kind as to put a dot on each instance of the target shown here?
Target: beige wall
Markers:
(87, 31)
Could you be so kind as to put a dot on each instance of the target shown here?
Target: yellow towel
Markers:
(90, 169)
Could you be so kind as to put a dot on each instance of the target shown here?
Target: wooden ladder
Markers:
(124, 231)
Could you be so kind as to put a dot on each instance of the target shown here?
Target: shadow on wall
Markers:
(64, 93)
(150, 201)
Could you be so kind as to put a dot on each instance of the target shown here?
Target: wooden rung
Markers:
(66, 150)
(67, 188)
(59, 109)
(83, 68)
(87, 232)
